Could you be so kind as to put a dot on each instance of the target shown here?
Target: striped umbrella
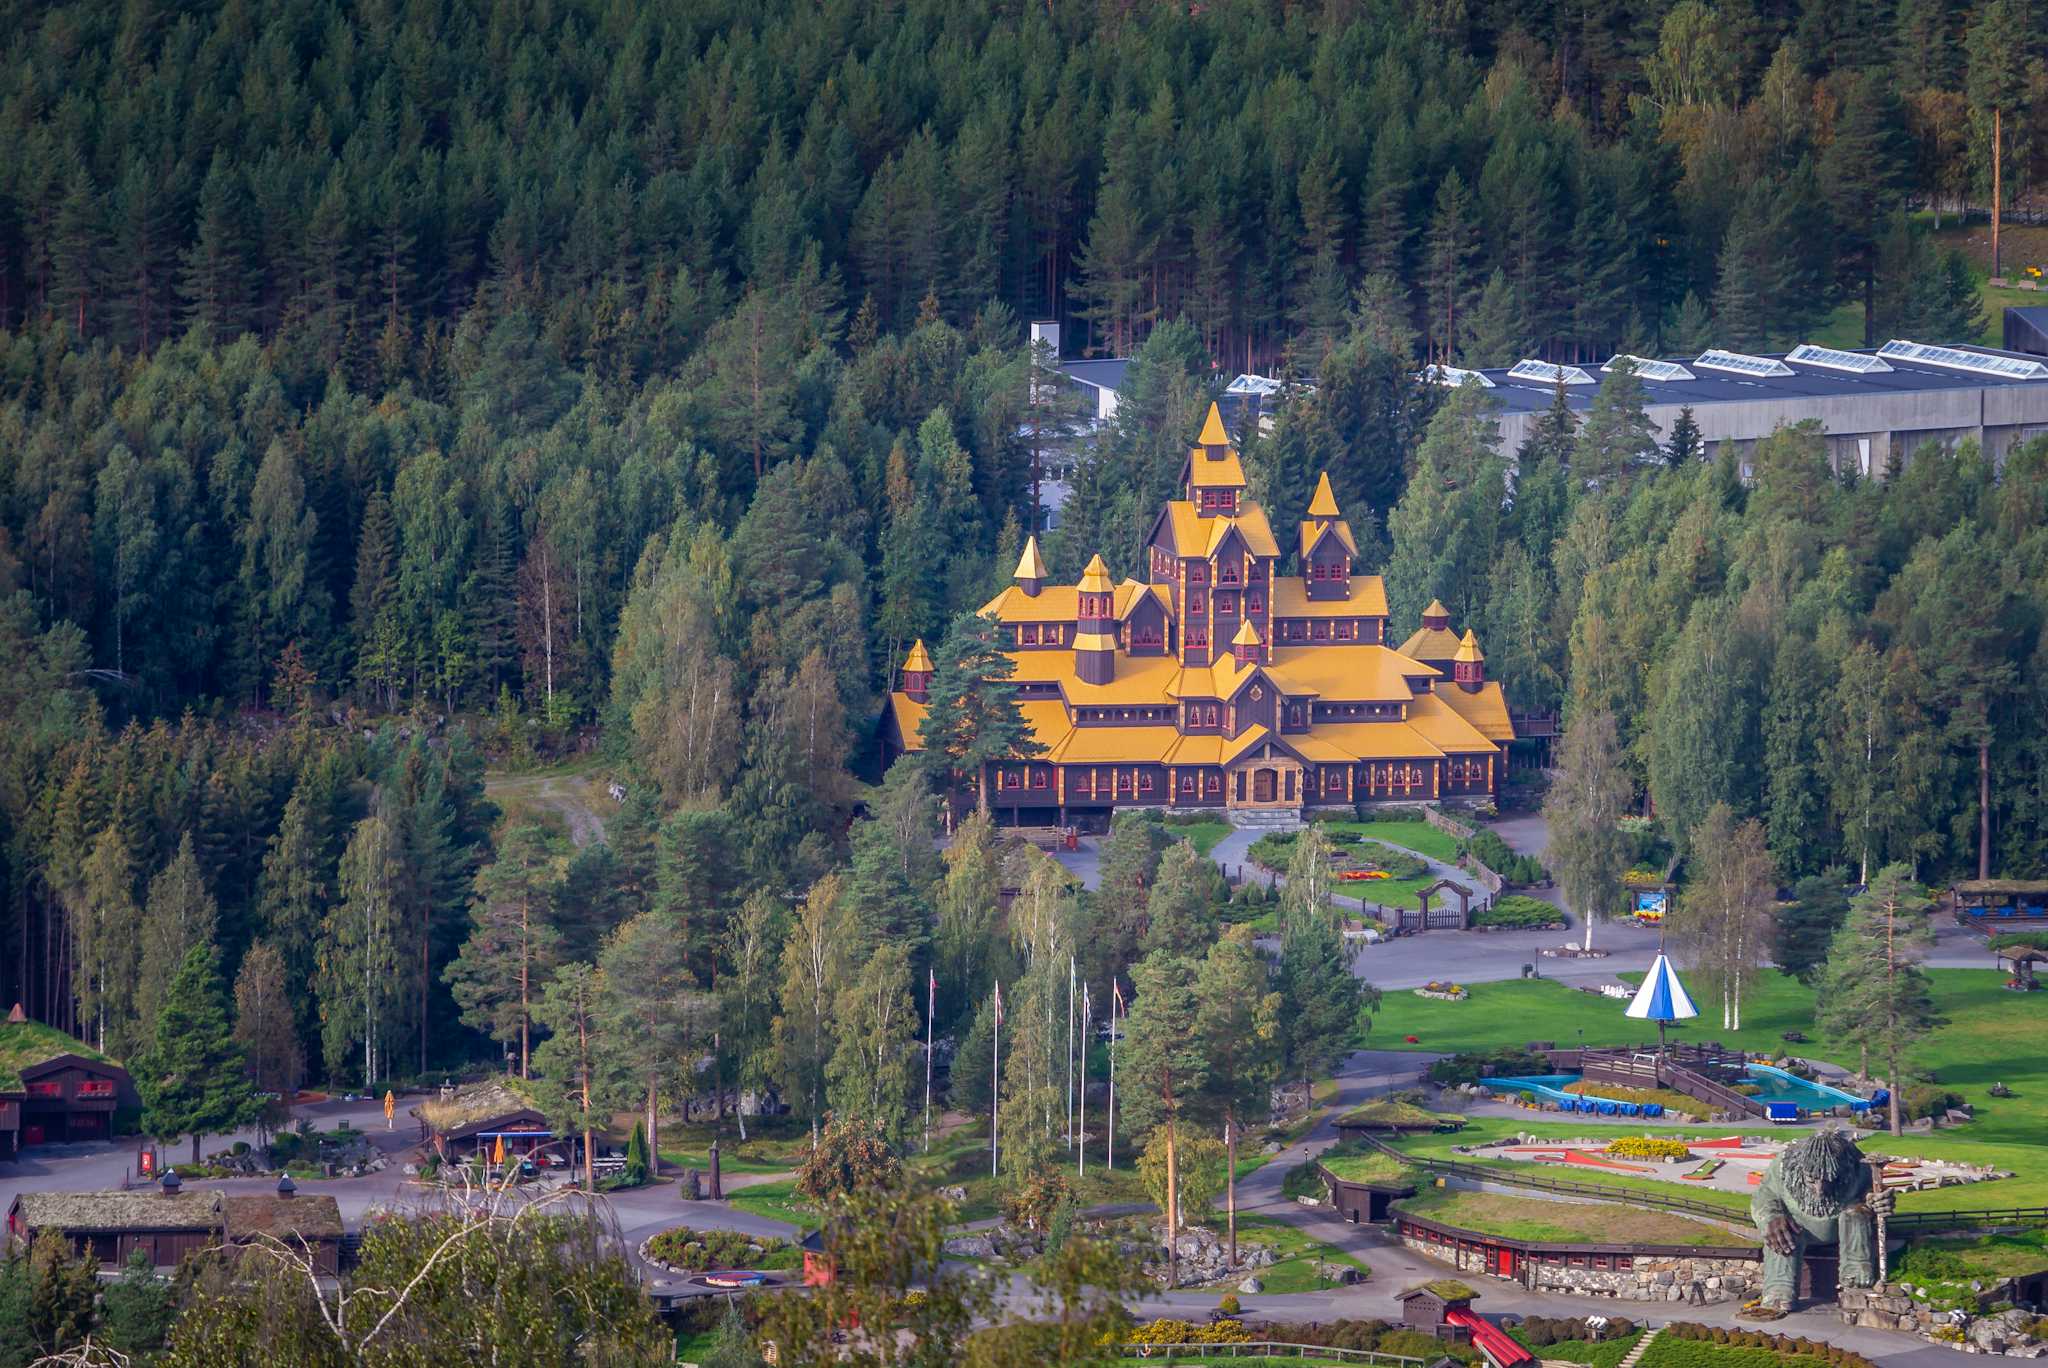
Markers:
(1662, 998)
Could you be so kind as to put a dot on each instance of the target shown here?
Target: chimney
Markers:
(172, 1183)
(286, 1187)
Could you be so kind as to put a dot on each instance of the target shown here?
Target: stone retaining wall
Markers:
(1665, 1276)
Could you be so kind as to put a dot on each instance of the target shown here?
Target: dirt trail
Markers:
(564, 795)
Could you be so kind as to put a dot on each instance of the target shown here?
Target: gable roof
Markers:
(1368, 598)
(26, 1046)
(248, 1214)
(1432, 643)
(147, 1208)
(1313, 531)
(474, 1103)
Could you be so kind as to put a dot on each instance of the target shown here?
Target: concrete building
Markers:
(1873, 405)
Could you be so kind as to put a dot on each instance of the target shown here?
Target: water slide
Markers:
(1500, 1350)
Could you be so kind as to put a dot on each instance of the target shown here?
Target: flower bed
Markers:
(1443, 992)
(1648, 1147)
(684, 1250)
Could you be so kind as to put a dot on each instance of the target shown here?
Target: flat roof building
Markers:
(1873, 404)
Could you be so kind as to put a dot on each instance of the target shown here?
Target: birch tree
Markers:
(876, 1023)
(1727, 913)
(1583, 809)
(360, 955)
(811, 965)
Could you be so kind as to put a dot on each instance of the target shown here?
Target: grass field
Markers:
(777, 1202)
(1519, 1218)
(1420, 837)
(1295, 1252)
(1991, 1036)
(1204, 835)
(1606, 1353)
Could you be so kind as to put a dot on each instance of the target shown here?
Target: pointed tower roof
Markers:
(1324, 504)
(1436, 609)
(1030, 565)
(1212, 429)
(919, 659)
(1468, 649)
(1247, 635)
(1095, 579)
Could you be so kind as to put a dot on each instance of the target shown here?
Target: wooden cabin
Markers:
(310, 1225)
(164, 1225)
(55, 1089)
(472, 1119)
(1425, 1306)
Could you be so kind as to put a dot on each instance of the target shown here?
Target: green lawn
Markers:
(1296, 1254)
(1420, 837)
(1991, 1036)
(1606, 1353)
(1204, 835)
(1372, 1166)
(777, 1202)
(1520, 1218)
(727, 1162)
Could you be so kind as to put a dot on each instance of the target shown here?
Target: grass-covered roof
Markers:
(140, 1209)
(265, 1213)
(1390, 1114)
(498, 1095)
(25, 1044)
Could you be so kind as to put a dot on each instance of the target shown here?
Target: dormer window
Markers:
(1228, 574)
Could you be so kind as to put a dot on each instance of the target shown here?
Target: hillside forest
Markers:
(395, 392)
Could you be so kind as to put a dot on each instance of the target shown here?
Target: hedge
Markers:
(702, 1250)
(1518, 910)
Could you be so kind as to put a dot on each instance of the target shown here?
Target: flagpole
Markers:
(1081, 1131)
(1070, 1051)
(1116, 999)
(931, 998)
(995, 1082)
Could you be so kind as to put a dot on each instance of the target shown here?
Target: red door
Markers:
(1504, 1262)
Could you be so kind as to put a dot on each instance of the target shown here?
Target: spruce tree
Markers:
(973, 719)
(1617, 435)
(177, 915)
(194, 1080)
(1162, 1068)
(1684, 446)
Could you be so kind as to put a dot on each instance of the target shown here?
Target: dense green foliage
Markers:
(698, 1250)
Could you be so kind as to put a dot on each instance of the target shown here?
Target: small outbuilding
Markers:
(165, 1225)
(54, 1088)
(1425, 1305)
(475, 1117)
(309, 1225)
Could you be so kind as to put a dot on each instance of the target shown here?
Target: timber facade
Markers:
(1219, 683)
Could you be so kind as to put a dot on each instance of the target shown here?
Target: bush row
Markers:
(1537, 1331)
(1648, 1147)
(1516, 909)
(1490, 850)
(703, 1250)
(1765, 1340)
(1368, 1334)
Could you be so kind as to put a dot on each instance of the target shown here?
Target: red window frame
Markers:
(1347, 630)
(96, 1087)
(46, 1089)
(1226, 604)
(1198, 636)
(1319, 631)
(1210, 712)
(1187, 783)
(1255, 603)
(1198, 574)
(1144, 781)
(1197, 605)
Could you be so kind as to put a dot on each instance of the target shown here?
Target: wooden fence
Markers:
(1257, 1349)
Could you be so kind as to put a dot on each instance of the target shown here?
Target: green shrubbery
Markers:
(1453, 1070)
(1490, 850)
(703, 1250)
(1366, 1334)
(1686, 1345)
(1518, 910)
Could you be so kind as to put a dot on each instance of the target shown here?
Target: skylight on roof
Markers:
(1649, 369)
(1715, 359)
(1453, 376)
(1955, 358)
(1546, 373)
(1834, 358)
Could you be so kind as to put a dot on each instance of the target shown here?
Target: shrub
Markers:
(1399, 864)
(1228, 1305)
(1648, 1147)
(1173, 1331)
(849, 1157)
(1272, 850)
(1926, 1099)
(1516, 909)
(703, 1250)
(1470, 1068)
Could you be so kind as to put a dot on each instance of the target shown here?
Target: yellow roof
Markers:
(1486, 709)
(1140, 680)
(1244, 741)
(1312, 530)
(919, 658)
(1114, 745)
(1130, 594)
(1095, 579)
(1053, 603)
(1094, 641)
(1324, 504)
(1443, 726)
(1196, 535)
(1431, 643)
(1247, 635)
(1368, 599)
(1031, 565)
(1196, 750)
(1370, 741)
(1212, 429)
(1436, 609)
(909, 715)
(1468, 649)
(1364, 673)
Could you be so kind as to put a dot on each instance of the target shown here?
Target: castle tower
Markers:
(917, 671)
(1030, 568)
(1095, 625)
(1468, 666)
(1246, 644)
(1436, 617)
(1213, 475)
(1327, 548)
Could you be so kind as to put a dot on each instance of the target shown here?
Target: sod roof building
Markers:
(1218, 682)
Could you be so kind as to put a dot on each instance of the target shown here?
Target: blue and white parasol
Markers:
(1662, 998)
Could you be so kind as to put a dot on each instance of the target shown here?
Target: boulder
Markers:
(955, 1193)
(1340, 1273)
(975, 1246)
(1251, 1286)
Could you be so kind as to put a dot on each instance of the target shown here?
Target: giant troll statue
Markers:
(1819, 1190)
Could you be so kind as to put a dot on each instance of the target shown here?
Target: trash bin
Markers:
(1073, 839)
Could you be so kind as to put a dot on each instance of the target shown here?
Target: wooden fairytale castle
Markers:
(1220, 683)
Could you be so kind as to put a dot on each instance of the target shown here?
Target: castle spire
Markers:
(1095, 624)
(1324, 504)
(1031, 568)
(917, 671)
(1468, 666)
(1213, 434)
(1436, 617)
